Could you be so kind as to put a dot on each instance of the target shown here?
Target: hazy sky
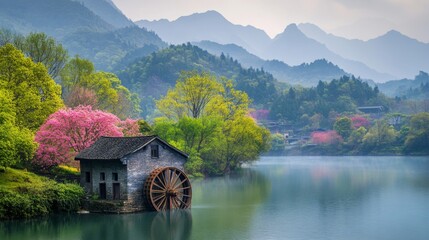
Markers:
(363, 19)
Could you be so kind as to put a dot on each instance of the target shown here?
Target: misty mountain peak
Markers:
(206, 17)
(291, 31)
(394, 35)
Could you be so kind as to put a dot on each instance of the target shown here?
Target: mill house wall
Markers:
(132, 172)
(141, 164)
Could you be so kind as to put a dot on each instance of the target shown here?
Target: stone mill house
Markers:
(114, 169)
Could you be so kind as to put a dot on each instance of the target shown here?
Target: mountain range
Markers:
(108, 11)
(393, 52)
(302, 54)
(391, 56)
(93, 29)
(305, 74)
(211, 26)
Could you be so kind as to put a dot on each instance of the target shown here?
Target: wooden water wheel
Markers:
(167, 188)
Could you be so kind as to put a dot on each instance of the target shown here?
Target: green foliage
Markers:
(339, 95)
(144, 127)
(40, 48)
(379, 138)
(65, 170)
(34, 94)
(416, 88)
(113, 50)
(26, 195)
(241, 142)
(106, 87)
(66, 197)
(344, 127)
(194, 165)
(154, 75)
(17, 145)
(208, 120)
(277, 142)
(191, 96)
(418, 134)
(356, 137)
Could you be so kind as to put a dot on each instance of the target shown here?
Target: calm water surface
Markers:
(276, 198)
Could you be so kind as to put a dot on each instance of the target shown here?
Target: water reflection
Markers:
(278, 198)
(171, 225)
(345, 198)
(155, 226)
(224, 207)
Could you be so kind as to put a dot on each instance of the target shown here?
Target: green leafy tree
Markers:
(16, 144)
(343, 126)
(208, 119)
(144, 127)
(380, 136)
(75, 72)
(190, 97)
(34, 93)
(241, 141)
(79, 77)
(418, 134)
(40, 48)
(277, 142)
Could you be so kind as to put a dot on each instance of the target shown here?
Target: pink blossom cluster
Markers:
(359, 121)
(327, 137)
(68, 131)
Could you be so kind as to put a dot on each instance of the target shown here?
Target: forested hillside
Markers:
(81, 30)
(305, 74)
(417, 88)
(150, 77)
(319, 106)
(107, 49)
(54, 17)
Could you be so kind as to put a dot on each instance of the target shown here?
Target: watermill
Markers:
(167, 188)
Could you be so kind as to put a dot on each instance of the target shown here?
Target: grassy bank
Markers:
(25, 195)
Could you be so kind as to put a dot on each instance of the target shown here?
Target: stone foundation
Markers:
(109, 206)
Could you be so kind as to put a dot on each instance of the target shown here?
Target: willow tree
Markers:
(191, 96)
(207, 118)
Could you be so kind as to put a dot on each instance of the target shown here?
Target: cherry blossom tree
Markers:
(68, 131)
(360, 121)
(130, 127)
(328, 137)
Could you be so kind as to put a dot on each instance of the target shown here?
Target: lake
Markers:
(342, 198)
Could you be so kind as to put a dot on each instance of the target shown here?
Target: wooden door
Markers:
(116, 191)
(103, 191)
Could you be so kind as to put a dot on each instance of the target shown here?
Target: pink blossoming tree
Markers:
(360, 121)
(130, 128)
(328, 137)
(68, 131)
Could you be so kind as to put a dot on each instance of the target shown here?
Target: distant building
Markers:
(373, 111)
(115, 168)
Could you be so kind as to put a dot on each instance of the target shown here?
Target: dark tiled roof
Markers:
(111, 148)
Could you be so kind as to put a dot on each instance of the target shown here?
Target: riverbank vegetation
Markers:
(25, 194)
(409, 135)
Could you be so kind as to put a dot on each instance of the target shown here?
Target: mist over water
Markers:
(276, 198)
